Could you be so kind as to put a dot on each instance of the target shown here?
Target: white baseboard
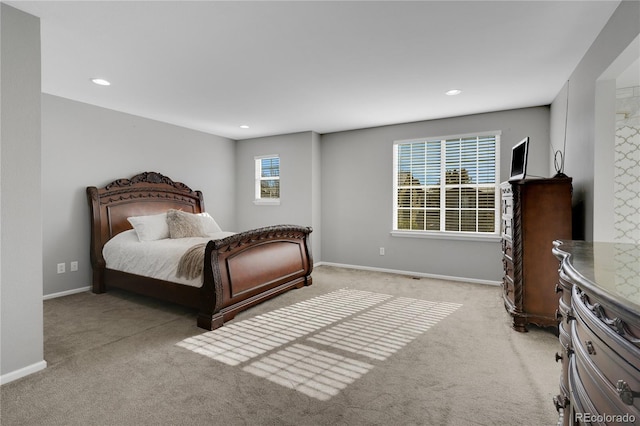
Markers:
(66, 293)
(22, 372)
(413, 274)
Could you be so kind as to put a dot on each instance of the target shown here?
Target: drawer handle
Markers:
(625, 392)
(590, 348)
(569, 315)
(558, 356)
(560, 402)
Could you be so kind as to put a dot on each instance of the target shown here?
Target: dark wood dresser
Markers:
(535, 212)
(599, 333)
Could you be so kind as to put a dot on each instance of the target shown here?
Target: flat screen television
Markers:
(519, 154)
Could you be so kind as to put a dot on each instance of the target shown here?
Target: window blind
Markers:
(447, 184)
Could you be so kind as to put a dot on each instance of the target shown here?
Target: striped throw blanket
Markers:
(191, 263)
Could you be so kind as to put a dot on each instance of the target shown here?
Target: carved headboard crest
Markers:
(148, 177)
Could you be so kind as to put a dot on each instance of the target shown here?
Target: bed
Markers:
(239, 270)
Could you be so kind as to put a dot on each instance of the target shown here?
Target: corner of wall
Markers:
(21, 328)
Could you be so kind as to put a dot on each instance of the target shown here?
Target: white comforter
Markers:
(156, 259)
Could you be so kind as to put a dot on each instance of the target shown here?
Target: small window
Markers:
(267, 179)
(447, 185)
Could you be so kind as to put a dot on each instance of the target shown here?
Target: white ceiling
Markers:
(283, 67)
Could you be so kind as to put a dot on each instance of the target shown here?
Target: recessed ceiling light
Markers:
(453, 92)
(101, 81)
(244, 126)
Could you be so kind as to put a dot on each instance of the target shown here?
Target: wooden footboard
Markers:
(250, 267)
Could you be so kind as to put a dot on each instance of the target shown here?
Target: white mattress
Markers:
(155, 259)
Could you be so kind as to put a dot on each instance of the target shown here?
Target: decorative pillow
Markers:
(151, 227)
(184, 225)
(208, 223)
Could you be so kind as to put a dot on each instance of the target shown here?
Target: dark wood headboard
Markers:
(144, 194)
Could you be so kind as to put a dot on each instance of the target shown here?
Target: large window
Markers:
(447, 185)
(267, 187)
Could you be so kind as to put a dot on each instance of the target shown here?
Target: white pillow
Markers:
(209, 224)
(150, 228)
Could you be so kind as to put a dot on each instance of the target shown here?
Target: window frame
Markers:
(258, 198)
(442, 233)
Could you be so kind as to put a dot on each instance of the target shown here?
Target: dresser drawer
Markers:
(580, 402)
(564, 286)
(608, 326)
(507, 228)
(508, 287)
(602, 396)
(564, 327)
(507, 206)
(508, 290)
(506, 191)
(599, 369)
(506, 210)
(507, 249)
(507, 267)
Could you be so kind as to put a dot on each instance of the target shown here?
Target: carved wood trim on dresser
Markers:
(535, 212)
(599, 333)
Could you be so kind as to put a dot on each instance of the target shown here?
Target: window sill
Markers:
(448, 236)
(267, 202)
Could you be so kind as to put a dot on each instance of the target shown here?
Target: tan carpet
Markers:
(355, 348)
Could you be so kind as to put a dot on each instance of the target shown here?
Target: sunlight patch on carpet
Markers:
(313, 372)
(356, 322)
(238, 342)
(385, 329)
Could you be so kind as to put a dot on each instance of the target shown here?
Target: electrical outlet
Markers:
(381, 251)
(73, 266)
(61, 268)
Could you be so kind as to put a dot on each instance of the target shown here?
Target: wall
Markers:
(21, 323)
(357, 196)
(622, 74)
(626, 185)
(84, 145)
(604, 161)
(614, 38)
(299, 183)
(316, 188)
